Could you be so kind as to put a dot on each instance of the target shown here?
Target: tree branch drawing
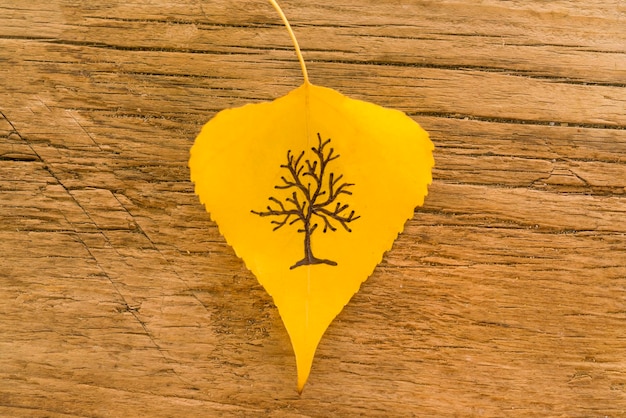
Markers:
(314, 200)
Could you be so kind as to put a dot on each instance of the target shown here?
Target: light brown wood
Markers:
(505, 295)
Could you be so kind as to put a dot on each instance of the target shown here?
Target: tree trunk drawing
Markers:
(309, 258)
(315, 197)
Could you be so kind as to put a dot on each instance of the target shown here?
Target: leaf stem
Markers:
(293, 38)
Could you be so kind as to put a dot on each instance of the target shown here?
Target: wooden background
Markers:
(505, 295)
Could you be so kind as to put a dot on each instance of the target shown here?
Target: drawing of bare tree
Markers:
(315, 198)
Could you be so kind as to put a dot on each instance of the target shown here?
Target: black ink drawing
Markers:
(315, 198)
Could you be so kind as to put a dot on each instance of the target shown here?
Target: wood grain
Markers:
(505, 295)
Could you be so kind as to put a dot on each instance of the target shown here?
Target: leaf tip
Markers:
(301, 382)
(304, 361)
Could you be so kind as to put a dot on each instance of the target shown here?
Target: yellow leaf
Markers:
(310, 190)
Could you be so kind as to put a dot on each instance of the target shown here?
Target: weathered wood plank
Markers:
(505, 295)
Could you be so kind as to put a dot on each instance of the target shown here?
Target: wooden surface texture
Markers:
(505, 295)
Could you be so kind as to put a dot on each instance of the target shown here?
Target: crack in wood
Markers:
(492, 119)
